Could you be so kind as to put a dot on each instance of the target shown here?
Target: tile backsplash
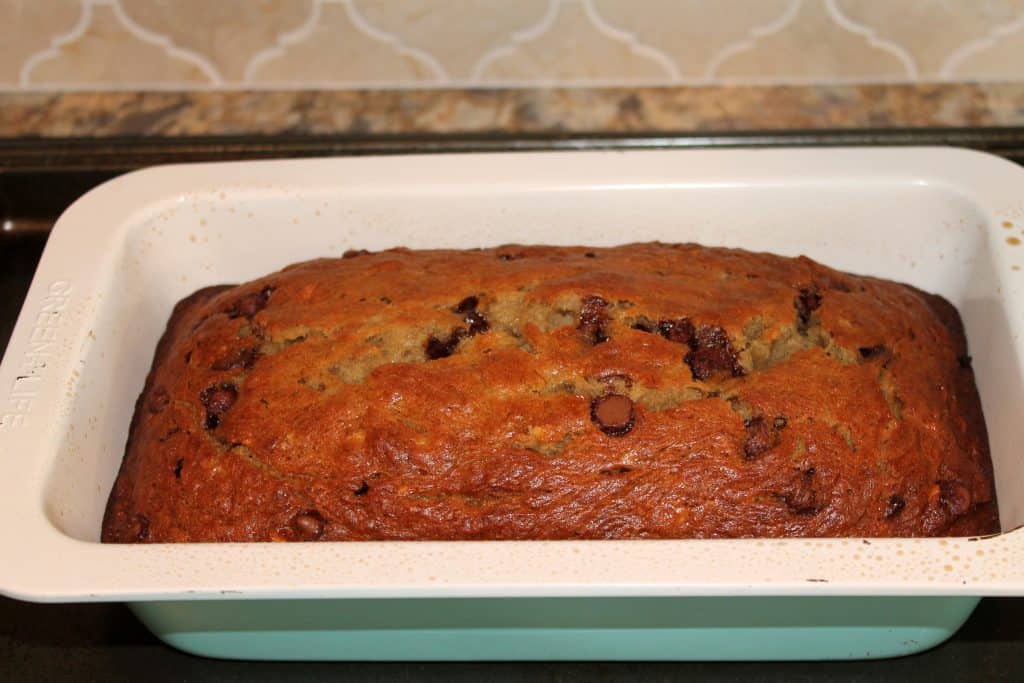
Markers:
(341, 44)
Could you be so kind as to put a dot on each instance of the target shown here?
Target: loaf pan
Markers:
(946, 220)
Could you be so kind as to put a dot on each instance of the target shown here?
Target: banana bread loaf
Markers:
(536, 392)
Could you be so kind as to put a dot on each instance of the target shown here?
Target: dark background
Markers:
(38, 179)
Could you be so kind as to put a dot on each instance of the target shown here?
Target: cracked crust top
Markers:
(528, 392)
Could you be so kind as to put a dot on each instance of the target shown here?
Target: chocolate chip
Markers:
(352, 253)
(384, 300)
(438, 348)
(867, 352)
(802, 501)
(158, 400)
(644, 325)
(894, 506)
(711, 353)
(308, 526)
(964, 362)
(511, 256)
(477, 323)
(239, 359)
(615, 471)
(250, 304)
(363, 489)
(217, 399)
(442, 348)
(466, 305)
(593, 319)
(590, 254)
(808, 301)
(954, 497)
(761, 437)
(679, 331)
(613, 414)
(177, 468)
(801, 496)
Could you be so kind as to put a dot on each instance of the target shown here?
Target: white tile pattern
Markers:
(813, 42)
(572, 44)
(336, 46)
(261, 44)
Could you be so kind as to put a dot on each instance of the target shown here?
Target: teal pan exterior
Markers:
(686, 628)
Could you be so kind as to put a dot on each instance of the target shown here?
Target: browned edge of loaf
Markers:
(984, 516)
(178, 317)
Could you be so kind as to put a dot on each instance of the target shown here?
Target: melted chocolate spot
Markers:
(474, 319)
(363, 489)
(250, 304)
(593, 319)
(644, 325)
(761, 437)
(589, 254)
(466, 305)
(780, 422)
(867, 352)
(477, 323)
(803, 500)
(808, 301)
(613, 414)
(177, 468)
(964, 362)
(239, 359)
(894, 506)
(308, 526)
(437, 348)
(217, 399)
(711, 353)
(680, 331)
(352, 253)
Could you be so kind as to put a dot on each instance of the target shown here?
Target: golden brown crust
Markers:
(649, 390)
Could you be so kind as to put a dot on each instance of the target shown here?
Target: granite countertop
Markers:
(528, 111)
